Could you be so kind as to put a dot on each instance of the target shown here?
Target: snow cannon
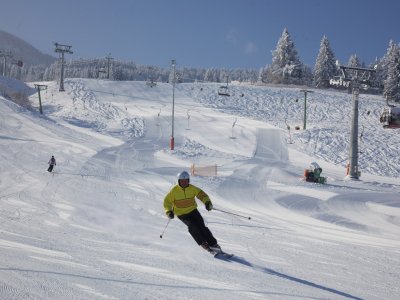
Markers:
(313, 174)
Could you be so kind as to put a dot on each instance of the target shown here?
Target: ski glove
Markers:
(170, 214)
(209, 205)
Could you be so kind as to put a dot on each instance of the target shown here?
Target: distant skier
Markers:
(52, 163)
(181, 201)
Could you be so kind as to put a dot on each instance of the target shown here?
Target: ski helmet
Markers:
(183, 175)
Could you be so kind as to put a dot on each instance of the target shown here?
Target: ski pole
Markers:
(161, 235)
(231, 213)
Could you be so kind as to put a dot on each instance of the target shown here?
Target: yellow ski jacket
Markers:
(182, 200)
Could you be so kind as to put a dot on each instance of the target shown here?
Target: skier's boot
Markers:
(216, 248)
(207, 247)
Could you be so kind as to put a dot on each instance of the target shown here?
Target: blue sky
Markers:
(203, 33)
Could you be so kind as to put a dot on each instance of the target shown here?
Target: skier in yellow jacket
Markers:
(180, 201)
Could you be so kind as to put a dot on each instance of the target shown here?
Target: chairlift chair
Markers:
(151, 83)
(101, 70)
(18, 63)
(390, 117)
(223, 91)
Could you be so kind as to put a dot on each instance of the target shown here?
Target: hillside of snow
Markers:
(91, 229)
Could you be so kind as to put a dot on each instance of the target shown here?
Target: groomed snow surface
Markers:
(91, 229)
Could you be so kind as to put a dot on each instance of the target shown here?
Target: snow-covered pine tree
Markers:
(223, 75)
(392, 81)
(382, 65)
(354, 61)
(286, 66)
(208, 76)
(262, 74)
(325, 65)
(307, 75)
(212, 75)
(15, 71)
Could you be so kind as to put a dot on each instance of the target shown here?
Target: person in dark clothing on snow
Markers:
(180, 201)
(52, 163)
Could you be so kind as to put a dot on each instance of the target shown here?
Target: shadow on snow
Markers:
(243, 261)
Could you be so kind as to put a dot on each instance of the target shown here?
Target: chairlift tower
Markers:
(172, 141)
(305, 107)
(355, 76)
(62, 49)
(5, 54)
(40, 87)
(109, 58)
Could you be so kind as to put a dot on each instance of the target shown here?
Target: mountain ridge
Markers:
(23, 51)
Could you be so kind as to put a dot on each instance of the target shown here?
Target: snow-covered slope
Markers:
(91, 230)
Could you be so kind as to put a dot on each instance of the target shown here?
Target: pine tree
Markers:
(392, 81)
(306, 75)
(354, 62)
(382, 66)
(262, 74)
(286, 66)
(325, 65)
(208, 76)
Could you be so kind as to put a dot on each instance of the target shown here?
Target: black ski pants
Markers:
(50, 168)
(197, 229)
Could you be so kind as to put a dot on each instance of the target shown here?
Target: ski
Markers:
(221, 254)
